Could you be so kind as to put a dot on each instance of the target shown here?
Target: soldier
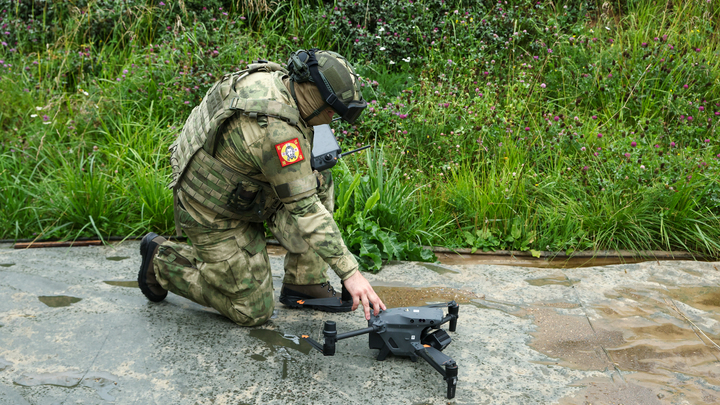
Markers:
(243, 159)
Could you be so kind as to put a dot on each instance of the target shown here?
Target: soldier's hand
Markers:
(362, 292)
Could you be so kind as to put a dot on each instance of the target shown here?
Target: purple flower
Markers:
(664, 38)
(685, 86)
(701, 108)
(611, 40)
(582, 149)
(672, 144)
(609, 75)
(527, 128)
(599, 135)
(707, 141)
(585, 168)
(656, 39)
(633, 144)
(549, 50)
(697, 49)
(627, 155)
(594, 117)
(689, 118)
(486, 73)
(46, 118)
(644, 44)
(161, 3)
(657, 146)
(556, 118)
(541, 85)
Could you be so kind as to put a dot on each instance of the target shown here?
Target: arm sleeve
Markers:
(296, 185)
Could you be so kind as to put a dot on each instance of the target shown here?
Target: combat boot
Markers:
(321, 297)
(146, 277)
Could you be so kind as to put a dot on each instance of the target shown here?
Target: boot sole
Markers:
(292, 302)
(147, 256)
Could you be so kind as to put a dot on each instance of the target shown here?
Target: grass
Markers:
(536, 127)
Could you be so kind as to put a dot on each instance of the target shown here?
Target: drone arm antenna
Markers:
(331, 336)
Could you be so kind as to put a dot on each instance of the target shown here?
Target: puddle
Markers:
(605, 391)
(4, 364)
(439, 268)
(275, 340)
(117, 258)
(705, 298)
(559, 280)
(394, 297)
(100, 381)
(6, 264)
(257, 357)
(526, 261)
(56, 301)
(130, 284)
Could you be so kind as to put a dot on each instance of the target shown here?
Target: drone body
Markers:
(408, 332)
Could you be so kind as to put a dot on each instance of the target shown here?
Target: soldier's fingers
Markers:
(356, 302)
(366, 307)
(377, 304)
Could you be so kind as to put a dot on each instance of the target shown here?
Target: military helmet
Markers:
(334, 77)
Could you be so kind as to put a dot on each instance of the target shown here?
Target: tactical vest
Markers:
(207, 180)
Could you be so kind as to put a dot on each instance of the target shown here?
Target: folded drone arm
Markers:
(438, 359)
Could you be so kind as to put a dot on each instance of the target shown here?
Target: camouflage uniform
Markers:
(227, 267)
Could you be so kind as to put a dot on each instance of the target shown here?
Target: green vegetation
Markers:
(525, 125)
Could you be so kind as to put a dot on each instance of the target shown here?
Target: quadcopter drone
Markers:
(408, 332)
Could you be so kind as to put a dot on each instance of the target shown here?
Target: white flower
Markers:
(406, 59)
(382, 48)
(38, 108)
(392, 63)
(86, 93)
(607, 28)
(381, 29)
(34, 115)
(47, 122)
(377, 37)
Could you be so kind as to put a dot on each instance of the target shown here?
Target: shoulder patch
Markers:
(289, 152)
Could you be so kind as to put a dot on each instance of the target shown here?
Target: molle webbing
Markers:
(210, 182)
(270, 108)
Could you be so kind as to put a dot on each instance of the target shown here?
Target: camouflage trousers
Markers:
(227, 266)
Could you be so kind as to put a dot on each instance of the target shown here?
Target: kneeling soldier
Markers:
(243, 159)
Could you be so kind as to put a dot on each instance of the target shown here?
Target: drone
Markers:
(406, 331)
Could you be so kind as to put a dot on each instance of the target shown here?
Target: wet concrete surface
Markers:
(75, 329)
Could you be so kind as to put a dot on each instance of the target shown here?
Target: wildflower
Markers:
(556, 118)
(594, 117)
(161, 3)
(685, 86)
(633, 144)
(543, 85)
(549, 50)
(585, 168)
(644, 44)
(642, 167)
(707, 141)
(697, 49)
(656, 39)
(609, 75)
(627, 155)
(382, 48)
(582, 149)
(689, 118)
(657, 146)
(527, 128)
(186, 102)
(599, 135)
(672, 144)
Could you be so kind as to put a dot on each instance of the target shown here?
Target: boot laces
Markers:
(330, 288)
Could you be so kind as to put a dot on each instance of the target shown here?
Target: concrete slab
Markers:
(74, 328)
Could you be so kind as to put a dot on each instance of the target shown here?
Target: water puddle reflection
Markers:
(275, 340)
(559, 280)
(440, 269)
(129, 284)
(394, 297)
(56, 301)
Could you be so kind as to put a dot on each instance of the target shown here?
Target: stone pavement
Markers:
(74, 328)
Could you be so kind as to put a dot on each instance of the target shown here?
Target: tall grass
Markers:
(554, 126)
